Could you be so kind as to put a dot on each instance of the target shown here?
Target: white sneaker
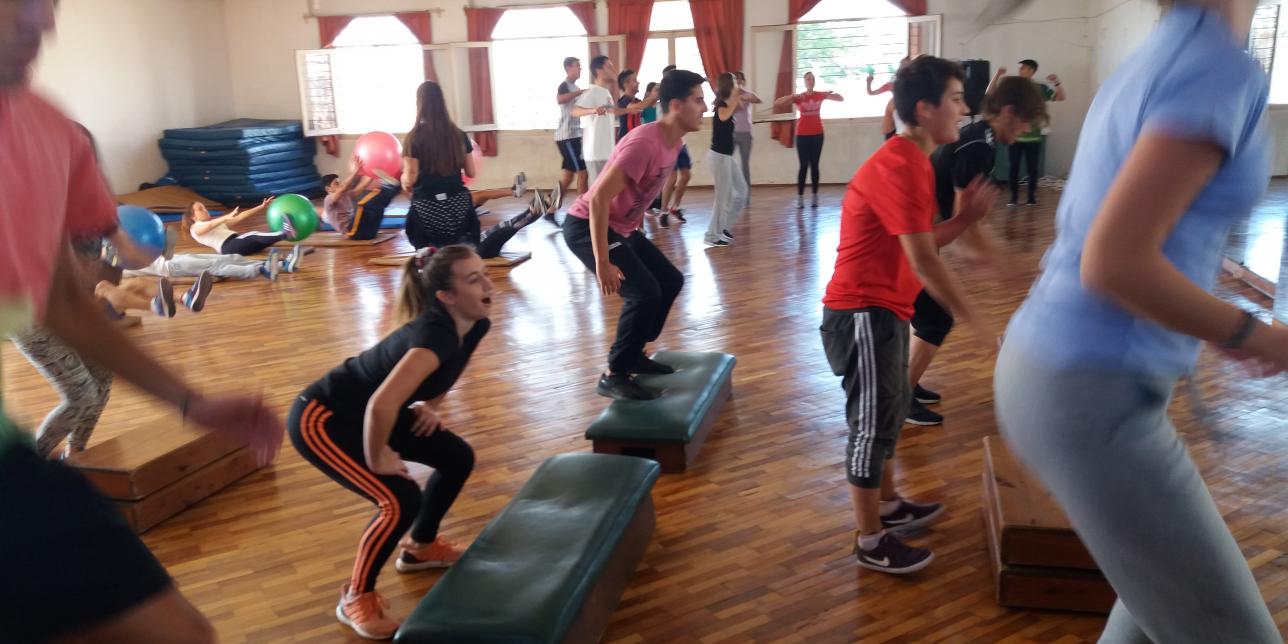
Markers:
(800, 201)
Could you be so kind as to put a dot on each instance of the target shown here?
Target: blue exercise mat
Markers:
(192, 178)
(248, 168)
(262, 144)
(239, 129)
(264, 153)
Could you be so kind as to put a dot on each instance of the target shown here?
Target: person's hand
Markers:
(610, 277)
(601, 110)
(1001, 71)
(233, 212)
(358, 164)
(245, 418)
(1055, 80)
(871, 78)
(267, 200)
(426, 422)
(977, 198)
(387, 462)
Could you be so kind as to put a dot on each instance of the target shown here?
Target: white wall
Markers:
(128, 69)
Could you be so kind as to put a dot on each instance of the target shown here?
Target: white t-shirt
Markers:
(215, 237)
(596, 131)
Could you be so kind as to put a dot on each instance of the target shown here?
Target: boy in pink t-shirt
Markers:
(76, 570)
(602, 230)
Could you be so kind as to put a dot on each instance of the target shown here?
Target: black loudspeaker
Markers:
(977, 79)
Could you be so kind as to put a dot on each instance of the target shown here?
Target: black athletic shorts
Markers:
(930, 320)
(67, 557)
(683, 162)
(570, 150)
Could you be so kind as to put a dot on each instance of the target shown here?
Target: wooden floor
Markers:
(753, 543)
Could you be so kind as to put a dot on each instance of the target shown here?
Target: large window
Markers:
(367, 82)
(1264, 40)
(671, 42)
(528, 49)
(842, 42)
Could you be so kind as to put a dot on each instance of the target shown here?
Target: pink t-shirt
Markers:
(42, 148)
(646, 160)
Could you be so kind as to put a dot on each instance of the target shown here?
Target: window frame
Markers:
(766, 113)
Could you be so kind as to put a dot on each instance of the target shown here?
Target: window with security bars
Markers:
(318, 89)
(843, 53)
(1263, 36)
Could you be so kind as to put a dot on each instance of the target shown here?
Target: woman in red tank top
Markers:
(809, 134)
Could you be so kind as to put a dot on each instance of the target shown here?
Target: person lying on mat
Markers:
(146, 294)
(216, 232)
(232, 267)
(355, 207)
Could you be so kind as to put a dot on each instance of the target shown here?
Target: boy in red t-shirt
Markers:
(888, 250)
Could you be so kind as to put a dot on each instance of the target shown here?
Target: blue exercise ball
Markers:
(144, 229)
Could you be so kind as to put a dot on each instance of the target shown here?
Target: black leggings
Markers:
(650, 287)
(809, 149)
(333, 444)
(1030, 151)
(250, 243)
(454, 221)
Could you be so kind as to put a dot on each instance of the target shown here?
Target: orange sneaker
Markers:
(365, 614)
(439, 554)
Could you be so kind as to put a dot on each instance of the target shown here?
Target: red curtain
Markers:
(785, 131)
(911, 7)
(418, 23)
(329, 27)
(630, 18)
(717, 24)
(585, 12)
(479, 24)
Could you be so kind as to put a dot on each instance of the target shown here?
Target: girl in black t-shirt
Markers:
(435, 154)
(731, 187)
(360, 422)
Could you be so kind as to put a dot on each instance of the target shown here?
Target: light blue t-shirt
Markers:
(1190, 78)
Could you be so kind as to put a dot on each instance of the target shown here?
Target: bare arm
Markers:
(234, 218)
(748, 97)
(726, 112)
(585, 111)
(570, 96)
(384, 406)
(970, 204)
(784, 101)
(833, 96)
(470, 170)
(923, 255)
(1122, 258)
(1001, 71)
(1059, 87)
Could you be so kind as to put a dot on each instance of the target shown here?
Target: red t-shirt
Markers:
(50, 189)
(892, 194)
(810, 104)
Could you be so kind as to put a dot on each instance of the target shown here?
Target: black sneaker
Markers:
(716, 243)
(647, 365)
(926, 396)
(727, 235)
(911, 515)
(622, 386)
(893, 556)
(665, 220)
(679, 215)
(919, 415)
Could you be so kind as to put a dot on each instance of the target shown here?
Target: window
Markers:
(841, 42)
(671, 42)
(1263, 43)
(528, 49)
(336, 85)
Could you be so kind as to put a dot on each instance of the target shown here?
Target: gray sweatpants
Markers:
(742, 146)
(731, 194)
(1103, 445)
(234, 267)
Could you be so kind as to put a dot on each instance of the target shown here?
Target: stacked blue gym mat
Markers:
(243, 161)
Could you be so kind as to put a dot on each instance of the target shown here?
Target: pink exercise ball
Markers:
(381, 154)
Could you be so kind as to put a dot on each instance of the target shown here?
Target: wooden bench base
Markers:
(592, 619)
(672, 457)
(1037, 559)
(157, 471)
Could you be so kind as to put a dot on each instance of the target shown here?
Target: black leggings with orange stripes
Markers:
(331, 439)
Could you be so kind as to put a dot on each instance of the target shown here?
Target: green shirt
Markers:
(648, 114)
(1035, 134)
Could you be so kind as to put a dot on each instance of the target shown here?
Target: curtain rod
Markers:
(535, 6)
(311, 15)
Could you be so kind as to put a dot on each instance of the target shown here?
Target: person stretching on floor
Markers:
(360, 421)
(435, 155)
(356, 206)
(602, 230)
(217, 234)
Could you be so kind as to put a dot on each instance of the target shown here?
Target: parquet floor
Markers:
(752, 544)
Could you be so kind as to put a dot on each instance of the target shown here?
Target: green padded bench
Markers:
(552, 565)
(669, 429)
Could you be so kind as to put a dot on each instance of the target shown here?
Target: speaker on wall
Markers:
(977, 78)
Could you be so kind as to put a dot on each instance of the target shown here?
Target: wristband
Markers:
(1241, 334)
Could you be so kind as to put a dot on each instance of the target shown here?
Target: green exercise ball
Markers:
(299, 210)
